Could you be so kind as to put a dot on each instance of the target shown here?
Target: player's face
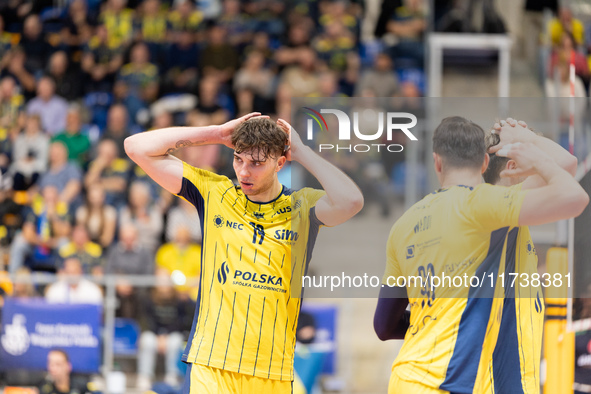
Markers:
(255, 174)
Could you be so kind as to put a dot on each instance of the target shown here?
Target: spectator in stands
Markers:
(17, 69)
(98, 218)
(68, 81)
(151, 27)
(328, 85)
(334, 44)
(300, 80)
(46, 228)
(145, 216)
(235, 23)
(64, 176)
(561, 87)
(77, 29)
(139, 75)
(110, 172)
(182, 62)
(261, 43)
(163, 315)
(52, 108)
(129, 257)
(565, 22)
(184, 16)
(60, 379)
(101, 62)
(5, 44)
(31, 150)
(181, 258)
(183, 214)
(408, 25)
(11, 120)
(23, 284)
(266, 16)
(72, 288)
(82, 248)
(567, 51)
(381, 79)
(337, 11)
(298, 38)
(208, 104)
(119, 23)
(219, 59)
(77, 144)
(11, 106)
(254, 85)
(34, 43)
(117, 127)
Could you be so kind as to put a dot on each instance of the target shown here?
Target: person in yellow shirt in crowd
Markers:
(182, 259)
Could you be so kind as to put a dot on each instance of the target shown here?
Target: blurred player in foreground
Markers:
(257, 237)
(459, 231)
(515, 363)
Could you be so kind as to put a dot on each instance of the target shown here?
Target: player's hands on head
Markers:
(527, 156)
(510, 131)
(295, 142)
(228, 128)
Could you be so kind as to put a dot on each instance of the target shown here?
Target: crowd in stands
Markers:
(76, 81)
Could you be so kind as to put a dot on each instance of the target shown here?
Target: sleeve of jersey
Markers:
(196, 184)
(492, 207)
(392, 267)
(311, 197)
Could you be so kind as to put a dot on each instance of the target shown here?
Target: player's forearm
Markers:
(563, 195)
(560, 155)
(161, 142)
(341, 191)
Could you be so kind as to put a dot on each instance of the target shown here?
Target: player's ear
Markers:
(511, 165)
(280, 163)
(437, 163)
(485, 163)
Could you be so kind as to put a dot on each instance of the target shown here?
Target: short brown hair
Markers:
(460, 142)
(497, 163)
(262, 136)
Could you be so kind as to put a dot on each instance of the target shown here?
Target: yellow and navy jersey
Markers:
(246, 317)
(457, 232)
(515, 363)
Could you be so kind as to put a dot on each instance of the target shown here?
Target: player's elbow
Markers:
(130, 146)
(579, 202)
(354, 203)
(380, 329)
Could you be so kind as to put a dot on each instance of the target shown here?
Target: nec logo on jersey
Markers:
(218, 221)
(223, 273)
(410, 252)
(286, 235)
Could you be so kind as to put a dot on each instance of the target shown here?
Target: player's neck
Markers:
(63, 384)
(268, 195)
(465, 177)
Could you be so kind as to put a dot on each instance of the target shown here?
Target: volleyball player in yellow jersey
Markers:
(515, 363)
(460, 230)
(257, 235)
